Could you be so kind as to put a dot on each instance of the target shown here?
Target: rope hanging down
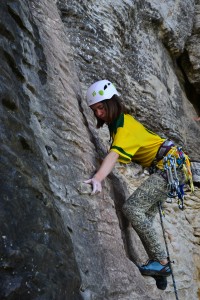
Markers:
(167, 249)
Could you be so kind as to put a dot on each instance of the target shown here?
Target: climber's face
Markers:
(99, 111)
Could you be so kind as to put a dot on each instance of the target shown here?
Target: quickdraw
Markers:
(174, 187)
(171, 163)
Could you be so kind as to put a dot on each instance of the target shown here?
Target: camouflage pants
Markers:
(141, 209)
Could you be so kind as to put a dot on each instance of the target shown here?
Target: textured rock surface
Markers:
(138, 46)
(37, 255)
(58, 242)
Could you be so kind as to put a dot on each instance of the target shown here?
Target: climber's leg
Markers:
(141, 208)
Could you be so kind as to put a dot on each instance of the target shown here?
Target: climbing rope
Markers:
(167, 249)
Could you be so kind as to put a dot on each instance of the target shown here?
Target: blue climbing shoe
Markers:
(154, 268)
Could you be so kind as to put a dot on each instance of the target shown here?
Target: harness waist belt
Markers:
(164, 149)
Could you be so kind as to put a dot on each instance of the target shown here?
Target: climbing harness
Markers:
(167, 249)
(162, 152)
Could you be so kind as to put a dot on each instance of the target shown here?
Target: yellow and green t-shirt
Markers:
(133, 142)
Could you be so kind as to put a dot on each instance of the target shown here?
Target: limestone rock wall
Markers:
(58, 242)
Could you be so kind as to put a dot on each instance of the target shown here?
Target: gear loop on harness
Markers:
(170, 166)
(173, 162)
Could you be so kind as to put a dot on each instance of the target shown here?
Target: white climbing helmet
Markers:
(99, 91)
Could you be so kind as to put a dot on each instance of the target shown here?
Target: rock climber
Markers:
(131, 141)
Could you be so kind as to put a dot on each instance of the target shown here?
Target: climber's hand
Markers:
(96, 185)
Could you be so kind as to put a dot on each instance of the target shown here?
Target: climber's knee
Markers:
(131, 213)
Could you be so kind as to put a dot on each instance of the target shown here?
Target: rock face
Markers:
(57, 241)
